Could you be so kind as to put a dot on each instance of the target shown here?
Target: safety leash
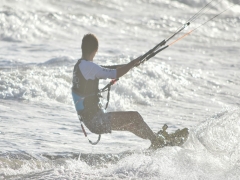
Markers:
(85, 134)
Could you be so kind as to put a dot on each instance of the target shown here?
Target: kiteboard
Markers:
(177, 138)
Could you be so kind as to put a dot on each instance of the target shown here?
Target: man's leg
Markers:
(131, 121)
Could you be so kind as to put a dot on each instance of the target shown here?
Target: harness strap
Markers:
(108, 87)
(108, 97)
(85, 134)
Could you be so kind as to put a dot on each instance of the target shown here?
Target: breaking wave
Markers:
(211, 152)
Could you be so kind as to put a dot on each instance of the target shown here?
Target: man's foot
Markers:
(178, 138)
(159, 142)
(174, 139)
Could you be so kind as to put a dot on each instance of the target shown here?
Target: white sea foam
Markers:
(212, 152)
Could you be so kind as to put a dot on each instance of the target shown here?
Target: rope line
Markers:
(201, 25)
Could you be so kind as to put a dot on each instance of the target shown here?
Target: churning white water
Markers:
(194, 84)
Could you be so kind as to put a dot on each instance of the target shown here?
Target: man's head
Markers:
(89, 45)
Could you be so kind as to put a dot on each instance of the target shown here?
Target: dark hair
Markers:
(89, 44)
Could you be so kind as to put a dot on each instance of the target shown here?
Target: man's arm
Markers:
(120, 70)
(125, 68)
(113, 66)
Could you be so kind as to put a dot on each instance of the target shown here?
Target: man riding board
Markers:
(85, 92)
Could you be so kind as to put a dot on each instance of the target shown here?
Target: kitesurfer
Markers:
(85, 92)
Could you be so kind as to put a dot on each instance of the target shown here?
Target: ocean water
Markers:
(194, 84)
